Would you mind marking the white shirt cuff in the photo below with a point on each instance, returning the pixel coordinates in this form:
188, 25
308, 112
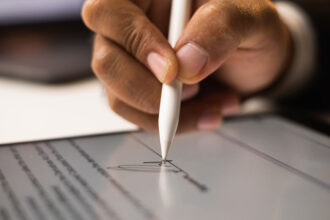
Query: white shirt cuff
303, 64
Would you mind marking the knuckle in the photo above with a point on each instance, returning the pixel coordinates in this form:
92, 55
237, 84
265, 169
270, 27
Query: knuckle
260, 14
99, 64
136, 35
90, 12
241, 19
246, 17
268, 15
211, 9
104, 57
115, 104
105, 64
96, 66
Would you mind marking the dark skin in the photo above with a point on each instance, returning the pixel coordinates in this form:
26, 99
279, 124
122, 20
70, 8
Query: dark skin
241, 46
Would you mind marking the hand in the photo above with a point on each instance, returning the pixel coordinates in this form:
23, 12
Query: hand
242, 43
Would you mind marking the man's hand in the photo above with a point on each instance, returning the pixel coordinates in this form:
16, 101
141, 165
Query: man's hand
242, 44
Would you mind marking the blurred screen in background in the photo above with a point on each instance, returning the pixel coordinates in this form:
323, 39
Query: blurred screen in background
44, 40
13, 12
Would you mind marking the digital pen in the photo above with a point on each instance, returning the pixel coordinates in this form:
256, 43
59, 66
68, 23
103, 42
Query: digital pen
170, 102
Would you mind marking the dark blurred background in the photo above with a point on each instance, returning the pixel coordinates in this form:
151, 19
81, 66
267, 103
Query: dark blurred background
44, 40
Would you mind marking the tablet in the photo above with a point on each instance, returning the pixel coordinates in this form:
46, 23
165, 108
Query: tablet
256, 167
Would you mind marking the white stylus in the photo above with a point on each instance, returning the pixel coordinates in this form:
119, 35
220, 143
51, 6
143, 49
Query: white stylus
170, 101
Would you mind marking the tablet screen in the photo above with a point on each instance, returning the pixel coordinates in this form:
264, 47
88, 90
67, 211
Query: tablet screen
260, 167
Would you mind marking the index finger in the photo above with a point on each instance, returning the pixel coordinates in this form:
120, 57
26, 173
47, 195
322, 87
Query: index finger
126, 24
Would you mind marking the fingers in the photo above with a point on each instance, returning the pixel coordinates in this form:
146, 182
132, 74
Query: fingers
126, 24
214, 32
199, 114
143, 120
189, 91
125, 77
206, 113
159, 14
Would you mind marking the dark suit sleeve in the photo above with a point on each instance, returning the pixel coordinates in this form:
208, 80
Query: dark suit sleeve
317, 93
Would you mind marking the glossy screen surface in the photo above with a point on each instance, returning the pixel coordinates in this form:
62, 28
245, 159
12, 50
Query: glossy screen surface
253, 168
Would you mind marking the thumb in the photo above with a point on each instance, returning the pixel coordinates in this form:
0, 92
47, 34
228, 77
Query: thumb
213, 33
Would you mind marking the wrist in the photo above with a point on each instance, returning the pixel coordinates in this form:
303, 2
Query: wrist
288, 57
298, 70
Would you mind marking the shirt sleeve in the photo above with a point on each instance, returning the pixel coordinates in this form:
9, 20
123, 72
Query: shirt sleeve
302, 68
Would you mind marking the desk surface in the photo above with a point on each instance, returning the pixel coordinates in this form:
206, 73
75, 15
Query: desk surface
31, 111
255, 168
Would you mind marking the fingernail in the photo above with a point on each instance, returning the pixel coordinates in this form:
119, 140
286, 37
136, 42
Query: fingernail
158, 65
210, 120
192, 59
